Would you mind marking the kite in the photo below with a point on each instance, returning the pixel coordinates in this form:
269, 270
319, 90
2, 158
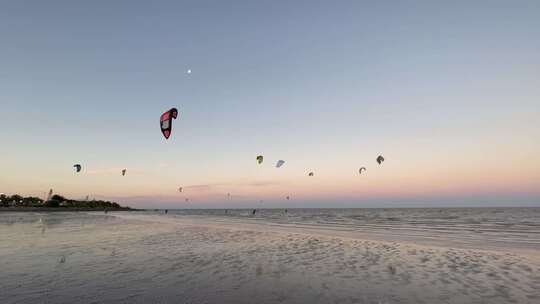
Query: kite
165, 122
360, 171
280, 163
380, 159
77, 167
310, 174
180, 189
260, 159
123, 172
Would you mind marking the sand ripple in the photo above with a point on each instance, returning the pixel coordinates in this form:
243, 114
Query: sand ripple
107, 259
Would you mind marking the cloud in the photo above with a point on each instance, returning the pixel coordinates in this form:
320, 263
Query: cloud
212, 186
204, 186
112, 171
263, 184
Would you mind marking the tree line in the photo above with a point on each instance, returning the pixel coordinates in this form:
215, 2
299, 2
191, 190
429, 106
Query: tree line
56, 201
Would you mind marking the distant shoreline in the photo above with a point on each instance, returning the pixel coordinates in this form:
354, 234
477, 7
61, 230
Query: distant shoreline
59, 209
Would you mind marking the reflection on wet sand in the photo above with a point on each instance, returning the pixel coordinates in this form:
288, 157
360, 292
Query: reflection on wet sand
172, 258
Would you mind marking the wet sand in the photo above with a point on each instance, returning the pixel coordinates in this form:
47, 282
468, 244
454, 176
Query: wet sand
155, 258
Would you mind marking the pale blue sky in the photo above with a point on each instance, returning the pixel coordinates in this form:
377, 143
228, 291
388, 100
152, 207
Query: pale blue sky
325, 85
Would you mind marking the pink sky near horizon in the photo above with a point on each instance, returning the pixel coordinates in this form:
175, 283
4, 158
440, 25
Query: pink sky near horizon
400, 177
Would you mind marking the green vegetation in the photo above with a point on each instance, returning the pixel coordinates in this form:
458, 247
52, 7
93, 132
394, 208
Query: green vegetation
56, 201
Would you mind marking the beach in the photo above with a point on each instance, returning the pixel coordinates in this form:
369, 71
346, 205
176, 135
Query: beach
220, 256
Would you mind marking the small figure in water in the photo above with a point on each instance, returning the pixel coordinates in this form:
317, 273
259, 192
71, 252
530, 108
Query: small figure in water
226, 211
254, 211
106, 211
286, 211
166, 211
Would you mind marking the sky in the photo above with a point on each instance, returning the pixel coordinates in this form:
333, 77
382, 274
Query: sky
447, 91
